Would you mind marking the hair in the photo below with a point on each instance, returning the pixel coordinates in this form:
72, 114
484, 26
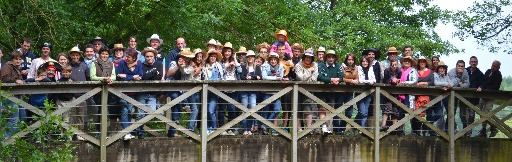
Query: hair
88, 45
365, 57
437, 69
62, 54
16, 54
261, 58
103, 49
299, 47
408, 46
460, 61
262, 45
280, 44
132, 53
133, 38
28, 40
67, 68
40, 71
232, 57
437, 57
353, 57
418, 64
473, 57
391, 69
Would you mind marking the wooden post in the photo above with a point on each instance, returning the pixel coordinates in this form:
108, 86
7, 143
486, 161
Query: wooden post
204, 121
376, 129
451, 126
294, 133
104, 124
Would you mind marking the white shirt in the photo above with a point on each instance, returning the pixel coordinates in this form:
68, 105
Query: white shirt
36, 63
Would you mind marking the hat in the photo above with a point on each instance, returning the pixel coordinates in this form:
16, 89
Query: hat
273, 54
309, 52
320, 49
118, 46
331, 52
375, 51
155, 36
218, 44
228, 45
51, 65
426, 60
197, 50
97, 38
250, 53
242, 50
441, 64
75, 49
392, 50
149, 49
219, 56
46, 44
185, 52
413, 63
282, 32
212, 42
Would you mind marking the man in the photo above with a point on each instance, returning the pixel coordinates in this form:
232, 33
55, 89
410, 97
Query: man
320, 54
288, 70
28, 56
89, 55
492, 81
373, 55
132, 44
330, 72
297, 51
36, 63
467, 115
392, 56
460, 78
98, 43
174, 73
408, 51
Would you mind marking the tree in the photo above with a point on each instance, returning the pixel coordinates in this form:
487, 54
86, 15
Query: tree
489, 22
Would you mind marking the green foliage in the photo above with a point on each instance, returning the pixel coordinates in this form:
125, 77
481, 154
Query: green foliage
346, 26
506, 84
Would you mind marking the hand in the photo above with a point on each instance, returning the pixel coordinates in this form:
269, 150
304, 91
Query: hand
354, 81
258, 77
248, 77
137, 77
479, 89
279, 78
19, 81
311, 69
24, 72
286, 79
121, 75
39, 78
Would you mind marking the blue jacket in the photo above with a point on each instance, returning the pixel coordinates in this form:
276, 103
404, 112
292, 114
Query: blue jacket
173, 56
122, 68
38, 99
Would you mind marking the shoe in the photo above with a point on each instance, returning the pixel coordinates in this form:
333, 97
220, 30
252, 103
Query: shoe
80, 138
340, 133
326, 130
247, 133
274, 132
494, 132
128, 137
264, 131
384, 128
224, 133
230, 133
208, 132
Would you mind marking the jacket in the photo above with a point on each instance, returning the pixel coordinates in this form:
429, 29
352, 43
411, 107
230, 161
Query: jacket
173, 56
10, 73
123, 69
459, 81
388, 77
492, 80
304, 74
429, 78
80, 71
349, 74
475, 78
441, 80
213, 72
95, 70
153, 71
327, 72
245, 73
371, 75
376, 71
272, 73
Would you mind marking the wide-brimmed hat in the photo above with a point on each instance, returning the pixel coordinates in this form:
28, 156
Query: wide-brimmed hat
330, 52
375, 51
197, 50
413, 63
185, 52
155, 36
273, 54
320, 49
75, 49
242, 49
149, 49
392, 50
228, 45
441, 64
97, 38
282, 32
219, 44
308, 52
429, 63
212, 42
250, 53
51, 65
219, 56
118, 46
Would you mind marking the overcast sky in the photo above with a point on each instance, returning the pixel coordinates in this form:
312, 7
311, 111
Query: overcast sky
485, 58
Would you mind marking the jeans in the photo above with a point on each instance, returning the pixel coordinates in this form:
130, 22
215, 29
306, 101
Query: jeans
434, 113
14, 119
149, 100
175, 111
249, 101
272, 114
466, 114
212, 103
126, 109
230, 108
194, 102
338, 124
362, 114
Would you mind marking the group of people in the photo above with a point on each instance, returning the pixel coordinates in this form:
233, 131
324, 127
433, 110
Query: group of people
278, 61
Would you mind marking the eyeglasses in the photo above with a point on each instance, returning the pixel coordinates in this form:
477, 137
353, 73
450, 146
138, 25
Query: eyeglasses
46, 44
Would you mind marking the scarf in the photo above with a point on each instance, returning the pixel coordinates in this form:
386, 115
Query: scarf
103, 65
365, 71
306, 65
403, 78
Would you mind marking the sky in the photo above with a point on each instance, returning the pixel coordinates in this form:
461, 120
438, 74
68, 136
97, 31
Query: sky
485, 58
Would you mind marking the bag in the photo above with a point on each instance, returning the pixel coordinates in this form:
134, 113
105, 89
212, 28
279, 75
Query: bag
420, 102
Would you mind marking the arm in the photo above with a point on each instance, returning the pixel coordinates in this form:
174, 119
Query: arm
93, 75
465, 80
6, 77
430, 78
265, 72
173, 68
257, 73
314, 75
32, 71
438, 81
187, 70
299, 73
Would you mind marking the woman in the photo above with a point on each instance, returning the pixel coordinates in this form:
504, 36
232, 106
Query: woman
250, 71
440, 79
307, 71
128, 70
213, 71
425, 78
194, 101
435, 63
63, 59
104, 71
263, 50
389, 109
11, 73
271, 70
118, 54
232, 70
350, 77
366, 76
409, 77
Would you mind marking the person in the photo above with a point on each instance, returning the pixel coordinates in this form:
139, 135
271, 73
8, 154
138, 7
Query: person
211, 44
219, 46
90, 57
435, 62
232, 70
297, 52
287, 75
132, 44
272, 70
392, 54
11, 73
350, 77
330, 72
263, 50
492, 81
460, 78
391, 76
118, 54
27, 58
409, 77
282, 37
213, 71
241, 55
408, 51
173, 73
425, 78
320, 52
197, 64
435, 113
45, 73
129, 69
476, 77
188, 73
2, 61
306, 70
373, 57
98, 43
250, 71
79, 72
36, 63
366, 76
152, 70
104, 71
62, 58
75, 115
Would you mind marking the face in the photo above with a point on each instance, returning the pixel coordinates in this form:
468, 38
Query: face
1, 54
155, 43
495, 66
119, 53
442, 70
308, 59
394, 65
273, 61
320, 55
66, 74
89, 53
350, 61
371, 56
211, 47
50, 73
259, 61
423, 64
435, 61
132, 43
227, 53
250, 59
17, 61
460, 67
212, 58
296, 53
406, 63
392, 56
280, 38
104, 56
364, 63
97, 45
263, 52
330, 59
43, 74
130, 59
45, 51
180, 43
473, 62
150, 57
281, 50
408, 52
199, 58
75, 57
186, 59
63, 60
25, 47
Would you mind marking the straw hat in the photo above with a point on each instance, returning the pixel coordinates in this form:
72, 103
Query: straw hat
375, 51
413, 63
149, 49
330, 52
185, 52
273, 54
441, 64
320, 49
392, 50
250, 53
429, 63
97, 38
219, 56
282, 32
118, 46
218, 44
155, 36
197, 50
242, 49
211, 42
228, 45
75, 49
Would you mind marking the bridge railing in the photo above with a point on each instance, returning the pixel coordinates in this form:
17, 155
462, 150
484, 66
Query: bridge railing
276, 90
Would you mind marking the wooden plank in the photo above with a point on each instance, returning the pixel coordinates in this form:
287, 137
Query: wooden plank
485, 117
